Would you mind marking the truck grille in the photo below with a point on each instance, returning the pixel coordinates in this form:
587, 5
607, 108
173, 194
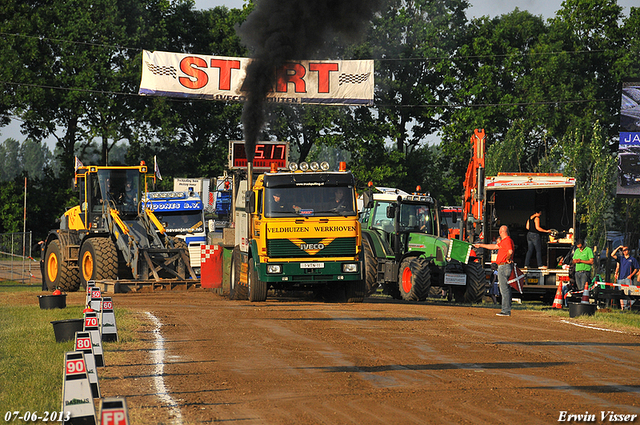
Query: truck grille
338, 247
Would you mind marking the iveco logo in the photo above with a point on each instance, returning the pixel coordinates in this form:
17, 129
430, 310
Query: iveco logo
311, 246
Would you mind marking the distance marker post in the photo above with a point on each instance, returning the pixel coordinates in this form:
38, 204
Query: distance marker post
113, 411
92, 325
90, 285
77, 398
108, 320
96, 299
84, 344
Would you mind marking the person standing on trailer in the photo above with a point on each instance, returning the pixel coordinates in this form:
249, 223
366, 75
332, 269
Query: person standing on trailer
534, 239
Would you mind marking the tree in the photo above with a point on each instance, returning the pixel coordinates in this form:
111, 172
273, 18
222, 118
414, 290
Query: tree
587, 157
488, 89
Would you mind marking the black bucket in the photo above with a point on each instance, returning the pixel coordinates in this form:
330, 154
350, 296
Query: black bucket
580, 309
65, 330
52, 301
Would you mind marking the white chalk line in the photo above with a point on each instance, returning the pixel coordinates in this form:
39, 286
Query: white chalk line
158, 380
590, 327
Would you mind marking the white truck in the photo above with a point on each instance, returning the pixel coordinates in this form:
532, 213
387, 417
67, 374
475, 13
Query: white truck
182, 215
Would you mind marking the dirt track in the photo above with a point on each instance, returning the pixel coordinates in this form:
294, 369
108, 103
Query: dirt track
380, 362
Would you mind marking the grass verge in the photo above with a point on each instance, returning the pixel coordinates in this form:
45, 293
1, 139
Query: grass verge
31, 361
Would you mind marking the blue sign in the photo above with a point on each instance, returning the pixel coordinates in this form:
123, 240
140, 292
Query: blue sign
174, 205
629, 139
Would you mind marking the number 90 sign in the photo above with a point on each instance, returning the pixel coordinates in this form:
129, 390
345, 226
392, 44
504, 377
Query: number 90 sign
75, 366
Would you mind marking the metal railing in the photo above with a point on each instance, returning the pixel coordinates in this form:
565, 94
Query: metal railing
16, 262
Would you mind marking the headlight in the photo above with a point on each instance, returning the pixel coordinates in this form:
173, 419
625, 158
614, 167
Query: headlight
314, 166
350, 268
304, 166
274, 268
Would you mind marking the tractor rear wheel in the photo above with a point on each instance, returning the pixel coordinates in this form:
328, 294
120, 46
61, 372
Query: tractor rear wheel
98, 260
412, 279
370, 268
57, 273
476, 283
236, 291
257, 288
423, 277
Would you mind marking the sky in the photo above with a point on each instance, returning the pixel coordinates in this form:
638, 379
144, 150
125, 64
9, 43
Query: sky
491, 8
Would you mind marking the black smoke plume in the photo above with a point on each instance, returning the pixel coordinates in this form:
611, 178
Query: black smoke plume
280, 30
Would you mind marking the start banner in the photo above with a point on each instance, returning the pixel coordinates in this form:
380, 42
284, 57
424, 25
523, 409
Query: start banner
221, 78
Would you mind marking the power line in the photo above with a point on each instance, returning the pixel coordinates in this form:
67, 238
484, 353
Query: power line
380, 105
415, 59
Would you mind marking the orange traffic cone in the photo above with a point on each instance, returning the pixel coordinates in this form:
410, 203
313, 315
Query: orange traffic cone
557, 301
585, 294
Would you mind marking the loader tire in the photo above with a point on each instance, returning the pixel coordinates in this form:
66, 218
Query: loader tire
476, 283
257, 289
98, 260
236, 291
58, 274
370, 268
411, 279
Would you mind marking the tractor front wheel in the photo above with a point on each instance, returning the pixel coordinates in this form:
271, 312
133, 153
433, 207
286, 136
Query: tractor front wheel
412, 279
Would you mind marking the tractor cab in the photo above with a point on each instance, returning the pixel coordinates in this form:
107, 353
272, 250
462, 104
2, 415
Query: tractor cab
396, 214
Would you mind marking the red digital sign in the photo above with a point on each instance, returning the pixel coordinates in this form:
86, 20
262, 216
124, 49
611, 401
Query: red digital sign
266, 153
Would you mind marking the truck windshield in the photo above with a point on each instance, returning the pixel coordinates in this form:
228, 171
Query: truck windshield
309, 201
181, 221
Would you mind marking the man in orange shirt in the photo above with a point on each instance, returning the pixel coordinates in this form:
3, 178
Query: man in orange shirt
505, 248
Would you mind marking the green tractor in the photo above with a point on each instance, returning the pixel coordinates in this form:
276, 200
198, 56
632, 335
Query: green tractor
405, 255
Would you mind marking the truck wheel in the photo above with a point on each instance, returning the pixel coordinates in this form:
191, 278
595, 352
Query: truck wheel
257, 288
410, 280
236, 291
370, 268
57, 273
476, 283
98, 260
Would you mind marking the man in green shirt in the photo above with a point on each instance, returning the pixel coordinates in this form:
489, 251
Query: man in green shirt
583, 259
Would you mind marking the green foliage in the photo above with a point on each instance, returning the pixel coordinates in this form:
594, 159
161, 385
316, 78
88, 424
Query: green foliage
536, 87
588, 158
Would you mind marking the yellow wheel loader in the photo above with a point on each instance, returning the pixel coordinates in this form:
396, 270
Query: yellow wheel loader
111, 236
